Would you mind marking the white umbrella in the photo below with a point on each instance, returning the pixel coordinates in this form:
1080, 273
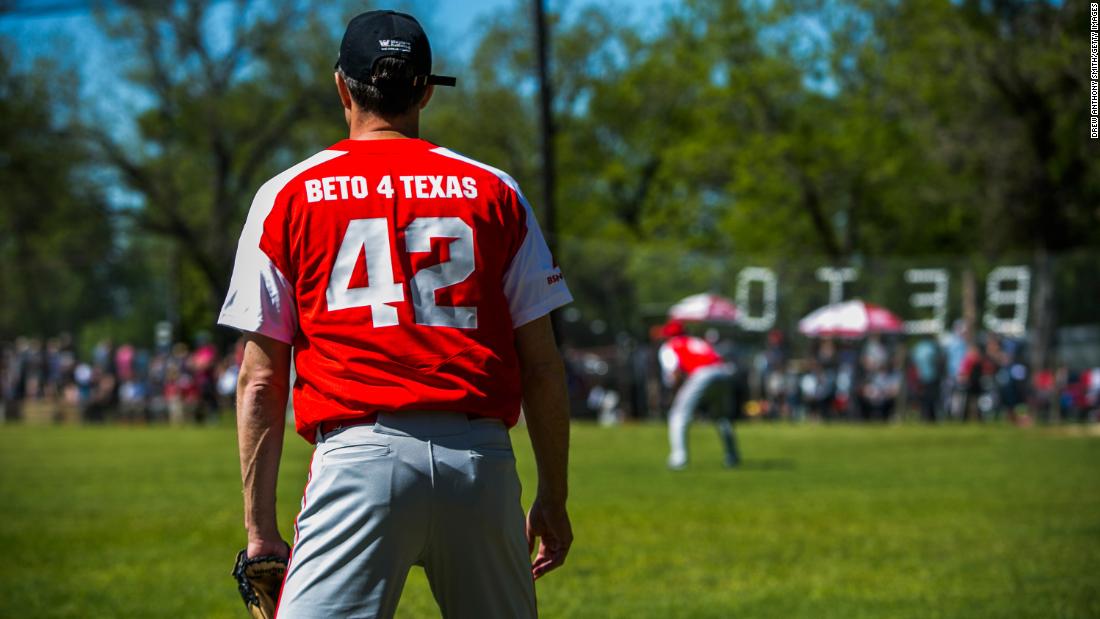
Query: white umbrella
705, 307
849, 319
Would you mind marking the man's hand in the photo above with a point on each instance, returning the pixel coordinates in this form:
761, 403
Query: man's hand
550, 523
273, 545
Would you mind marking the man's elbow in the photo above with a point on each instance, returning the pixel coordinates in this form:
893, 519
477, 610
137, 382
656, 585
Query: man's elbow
260, 391
265, 369
261, 384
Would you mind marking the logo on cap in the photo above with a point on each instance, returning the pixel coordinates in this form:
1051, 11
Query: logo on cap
395, 45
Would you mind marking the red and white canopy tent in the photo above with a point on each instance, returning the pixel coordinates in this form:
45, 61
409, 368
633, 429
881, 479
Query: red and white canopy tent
705, 307
850, 319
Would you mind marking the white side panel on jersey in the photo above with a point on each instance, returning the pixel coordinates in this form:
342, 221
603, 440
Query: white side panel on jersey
669, 363
260, 298
532, 284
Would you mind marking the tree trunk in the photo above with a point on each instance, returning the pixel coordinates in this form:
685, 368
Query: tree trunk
1042, 312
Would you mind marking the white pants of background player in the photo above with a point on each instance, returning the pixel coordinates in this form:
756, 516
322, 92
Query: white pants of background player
712, 379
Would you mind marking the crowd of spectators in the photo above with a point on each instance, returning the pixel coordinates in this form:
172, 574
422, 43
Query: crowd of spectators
955, 377
49, 380
981, 378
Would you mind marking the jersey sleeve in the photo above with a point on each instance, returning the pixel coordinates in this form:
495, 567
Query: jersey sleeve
533, 282
261, 298
669, 362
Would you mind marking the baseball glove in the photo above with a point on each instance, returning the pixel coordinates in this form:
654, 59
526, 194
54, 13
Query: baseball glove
259, 579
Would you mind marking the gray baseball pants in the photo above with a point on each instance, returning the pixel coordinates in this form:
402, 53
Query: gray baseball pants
711, 380
431, 489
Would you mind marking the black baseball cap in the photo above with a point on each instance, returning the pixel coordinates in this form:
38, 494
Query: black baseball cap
374, 35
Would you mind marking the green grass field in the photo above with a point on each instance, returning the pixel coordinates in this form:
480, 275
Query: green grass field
838, 521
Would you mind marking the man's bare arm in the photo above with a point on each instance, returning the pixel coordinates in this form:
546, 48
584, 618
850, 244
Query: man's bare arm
262, 389
546, 409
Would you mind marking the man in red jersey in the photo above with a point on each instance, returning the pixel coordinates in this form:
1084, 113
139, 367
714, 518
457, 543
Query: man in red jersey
698, 373
413, 286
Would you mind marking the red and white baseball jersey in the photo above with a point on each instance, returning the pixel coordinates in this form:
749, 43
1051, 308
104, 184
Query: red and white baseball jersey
398, 270
686, 354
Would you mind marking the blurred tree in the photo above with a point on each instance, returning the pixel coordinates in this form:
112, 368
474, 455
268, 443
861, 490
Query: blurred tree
233, 93
491, 115
995, 93
57, 251
843, 129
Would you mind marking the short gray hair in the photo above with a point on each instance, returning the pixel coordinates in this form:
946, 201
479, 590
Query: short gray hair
390, 91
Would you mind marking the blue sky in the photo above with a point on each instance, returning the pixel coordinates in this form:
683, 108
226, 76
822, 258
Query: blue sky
45, 27
67, 31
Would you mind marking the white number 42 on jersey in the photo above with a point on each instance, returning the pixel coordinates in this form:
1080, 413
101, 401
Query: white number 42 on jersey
371, 237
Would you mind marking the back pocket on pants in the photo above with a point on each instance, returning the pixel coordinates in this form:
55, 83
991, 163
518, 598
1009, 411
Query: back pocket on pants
350, 454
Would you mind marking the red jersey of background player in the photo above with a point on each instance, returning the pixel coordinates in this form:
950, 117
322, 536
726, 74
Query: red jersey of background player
691, 353
398, 270
684, 353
